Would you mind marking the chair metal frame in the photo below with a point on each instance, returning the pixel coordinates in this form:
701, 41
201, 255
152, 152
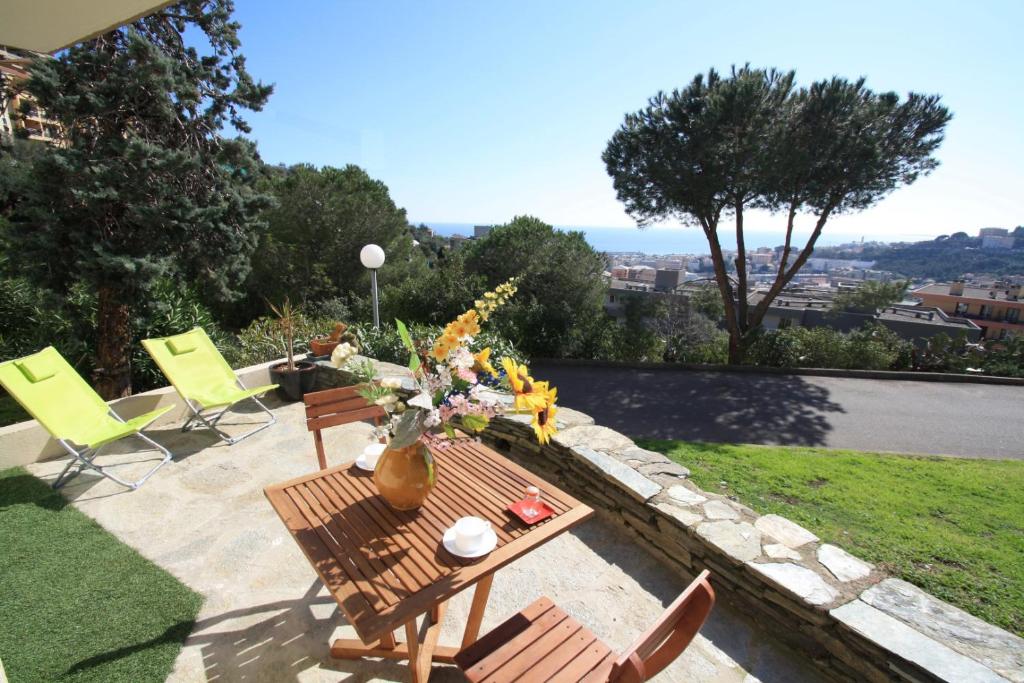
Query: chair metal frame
85, 457
211, 420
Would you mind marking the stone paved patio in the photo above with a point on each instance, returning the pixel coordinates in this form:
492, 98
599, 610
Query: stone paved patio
266, 617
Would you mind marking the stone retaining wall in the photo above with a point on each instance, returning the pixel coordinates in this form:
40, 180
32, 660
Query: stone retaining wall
852, 620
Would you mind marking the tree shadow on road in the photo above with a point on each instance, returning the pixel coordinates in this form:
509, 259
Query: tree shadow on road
697, 406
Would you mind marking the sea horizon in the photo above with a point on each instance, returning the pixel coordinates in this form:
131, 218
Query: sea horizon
660, 240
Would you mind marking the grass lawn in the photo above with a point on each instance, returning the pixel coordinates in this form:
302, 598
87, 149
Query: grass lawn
10, 411
76, 604
954, 527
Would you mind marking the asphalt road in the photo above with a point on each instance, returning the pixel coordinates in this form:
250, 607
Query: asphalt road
966, 420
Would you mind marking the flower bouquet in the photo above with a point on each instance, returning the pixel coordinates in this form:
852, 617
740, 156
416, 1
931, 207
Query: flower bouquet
452, 385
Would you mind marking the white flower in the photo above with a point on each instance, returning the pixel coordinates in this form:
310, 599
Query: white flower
391, 382
432, 418
342, 354
462, 358
387, 400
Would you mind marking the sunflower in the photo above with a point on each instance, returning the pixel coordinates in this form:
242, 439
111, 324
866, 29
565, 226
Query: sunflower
530, 395
544, 419
482, 363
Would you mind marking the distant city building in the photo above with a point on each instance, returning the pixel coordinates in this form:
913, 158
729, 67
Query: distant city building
482, 230
761, 258
666, 280
813, 308
22, 113
996, 238
998, 309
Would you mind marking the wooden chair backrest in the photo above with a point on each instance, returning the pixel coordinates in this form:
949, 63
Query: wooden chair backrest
333, 407
670, 635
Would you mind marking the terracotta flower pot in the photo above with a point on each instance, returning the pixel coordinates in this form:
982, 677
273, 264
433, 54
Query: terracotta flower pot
322, 346
405, 476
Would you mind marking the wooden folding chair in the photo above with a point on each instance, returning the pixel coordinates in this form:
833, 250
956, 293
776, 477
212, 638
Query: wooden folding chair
543, 643
333, 407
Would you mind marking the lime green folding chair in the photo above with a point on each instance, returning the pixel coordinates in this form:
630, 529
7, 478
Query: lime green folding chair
204, 379
54, 394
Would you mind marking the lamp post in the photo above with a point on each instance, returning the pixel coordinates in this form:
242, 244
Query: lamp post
372, 257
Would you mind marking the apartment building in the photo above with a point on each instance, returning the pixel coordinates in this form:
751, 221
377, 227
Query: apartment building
19, 111
997, 309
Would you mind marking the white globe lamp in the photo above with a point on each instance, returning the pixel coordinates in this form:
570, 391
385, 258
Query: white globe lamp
372, 258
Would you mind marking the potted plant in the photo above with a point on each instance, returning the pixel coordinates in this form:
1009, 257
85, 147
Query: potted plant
294, 378
324, 346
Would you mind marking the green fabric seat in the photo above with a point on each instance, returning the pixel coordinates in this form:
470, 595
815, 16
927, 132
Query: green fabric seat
201, 376
67, 407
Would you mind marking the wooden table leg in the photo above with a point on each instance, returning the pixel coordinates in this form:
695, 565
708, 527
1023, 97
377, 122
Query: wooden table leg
419, 648
476, 610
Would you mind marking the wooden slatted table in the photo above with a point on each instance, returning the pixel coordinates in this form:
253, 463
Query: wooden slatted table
385, 568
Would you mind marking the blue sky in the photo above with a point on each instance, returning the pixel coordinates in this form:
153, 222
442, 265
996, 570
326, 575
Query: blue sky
477, 111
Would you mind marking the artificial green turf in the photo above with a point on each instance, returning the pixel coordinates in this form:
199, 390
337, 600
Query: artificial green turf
954, 527
11, 412
76, 604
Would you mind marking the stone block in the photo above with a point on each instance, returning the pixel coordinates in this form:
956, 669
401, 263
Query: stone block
777, 551
798, 581
594, 437
990, 645
683, 495
929, 655
618, 473
784, 531
687, 518
842, 564
737, 540
719, 509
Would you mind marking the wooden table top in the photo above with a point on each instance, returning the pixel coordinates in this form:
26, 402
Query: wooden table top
386, 567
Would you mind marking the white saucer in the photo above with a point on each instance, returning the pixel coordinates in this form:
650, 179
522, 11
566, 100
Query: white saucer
361, 462
489, 543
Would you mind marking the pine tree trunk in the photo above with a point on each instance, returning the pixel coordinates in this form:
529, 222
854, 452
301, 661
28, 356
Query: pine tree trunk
735, 350
113, 377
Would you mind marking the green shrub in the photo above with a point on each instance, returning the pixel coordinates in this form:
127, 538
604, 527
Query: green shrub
262, 341
871, 347
34, 318
170, 310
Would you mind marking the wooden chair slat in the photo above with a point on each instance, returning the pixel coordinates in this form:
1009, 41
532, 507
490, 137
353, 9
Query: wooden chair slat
508, 651
340, 406
542, 643
315, 398
336, 419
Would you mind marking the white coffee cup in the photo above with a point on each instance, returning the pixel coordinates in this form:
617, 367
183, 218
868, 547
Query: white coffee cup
470, 532
372, 453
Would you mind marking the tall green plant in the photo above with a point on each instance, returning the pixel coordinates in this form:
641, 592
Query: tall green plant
147, 185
